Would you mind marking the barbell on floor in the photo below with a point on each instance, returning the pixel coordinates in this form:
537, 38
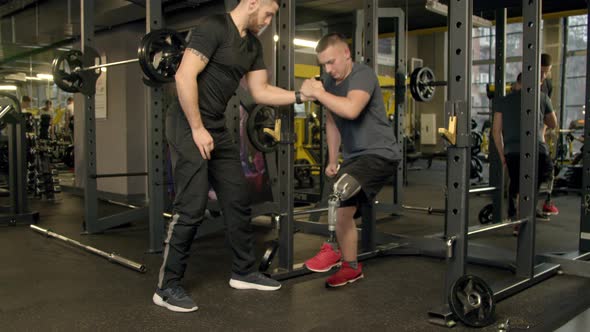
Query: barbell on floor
112, 257
159, 55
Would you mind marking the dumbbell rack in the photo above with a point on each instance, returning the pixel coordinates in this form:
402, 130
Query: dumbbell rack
42, 176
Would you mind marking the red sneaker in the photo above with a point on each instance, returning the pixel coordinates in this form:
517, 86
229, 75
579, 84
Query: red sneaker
345, 275
550, 209
326, 259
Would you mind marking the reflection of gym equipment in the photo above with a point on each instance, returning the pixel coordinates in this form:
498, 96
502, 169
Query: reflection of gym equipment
307, 150
264, 127
18, 211
476, 302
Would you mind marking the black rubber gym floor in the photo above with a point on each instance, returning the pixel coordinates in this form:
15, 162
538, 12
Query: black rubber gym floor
48, 285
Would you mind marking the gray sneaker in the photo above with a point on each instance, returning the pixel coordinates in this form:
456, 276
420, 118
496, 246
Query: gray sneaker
174, 299
254, 280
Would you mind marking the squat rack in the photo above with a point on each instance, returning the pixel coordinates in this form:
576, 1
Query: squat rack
154, 211
285, 154
529, 268
576, 262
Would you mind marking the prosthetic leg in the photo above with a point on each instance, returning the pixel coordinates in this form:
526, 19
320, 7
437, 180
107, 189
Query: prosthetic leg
344, 188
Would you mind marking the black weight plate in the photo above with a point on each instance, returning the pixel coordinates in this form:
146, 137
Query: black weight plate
420, 87
68, 73
261, 117
160, 53
88, 84
478, 164
476, 141
476, 168
63, 73
486, 215
472, 301
268, 256
413, 84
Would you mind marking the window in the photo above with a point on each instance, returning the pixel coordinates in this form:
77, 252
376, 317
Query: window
575, 69
484, 48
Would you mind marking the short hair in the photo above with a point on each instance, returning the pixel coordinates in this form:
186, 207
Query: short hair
519, 78
545, 60
330, 39
70, 99
26, 99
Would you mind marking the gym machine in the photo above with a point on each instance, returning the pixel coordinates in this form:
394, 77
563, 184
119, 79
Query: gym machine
18, 211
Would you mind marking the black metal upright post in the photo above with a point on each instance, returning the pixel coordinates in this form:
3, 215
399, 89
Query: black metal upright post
359, 24
371, 42
155, 139
17, 147
584, 244
372, 14
496, 167
89, 132
399, 113
563, 93
529, 122
458, 156
286, 152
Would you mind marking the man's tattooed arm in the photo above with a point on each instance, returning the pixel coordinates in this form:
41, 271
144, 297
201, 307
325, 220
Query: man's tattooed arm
199, 54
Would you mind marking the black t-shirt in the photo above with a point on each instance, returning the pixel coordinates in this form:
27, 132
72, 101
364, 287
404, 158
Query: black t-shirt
230, 58
510, 107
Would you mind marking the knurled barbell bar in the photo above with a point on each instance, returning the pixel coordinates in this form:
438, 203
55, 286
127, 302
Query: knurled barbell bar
159, 55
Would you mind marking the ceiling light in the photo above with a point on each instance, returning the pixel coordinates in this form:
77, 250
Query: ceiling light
45, 77
305, 43
442, 9
8, 87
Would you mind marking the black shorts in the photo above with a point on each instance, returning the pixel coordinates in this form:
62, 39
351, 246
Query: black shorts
372, 172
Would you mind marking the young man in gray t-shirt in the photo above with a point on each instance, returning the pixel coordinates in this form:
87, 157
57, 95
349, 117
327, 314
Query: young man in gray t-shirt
357, 121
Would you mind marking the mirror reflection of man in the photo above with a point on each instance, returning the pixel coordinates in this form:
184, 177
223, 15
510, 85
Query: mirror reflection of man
549, 207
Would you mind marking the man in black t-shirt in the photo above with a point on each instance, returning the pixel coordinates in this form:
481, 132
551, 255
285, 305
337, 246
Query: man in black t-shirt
507, 131
549, 207
221, 50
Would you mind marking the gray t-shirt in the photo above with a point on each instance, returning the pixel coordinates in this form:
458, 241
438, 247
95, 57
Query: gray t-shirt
510, 108
370, 132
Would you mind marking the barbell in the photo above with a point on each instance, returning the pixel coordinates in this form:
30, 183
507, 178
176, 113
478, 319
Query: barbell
159, 55
423, 84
